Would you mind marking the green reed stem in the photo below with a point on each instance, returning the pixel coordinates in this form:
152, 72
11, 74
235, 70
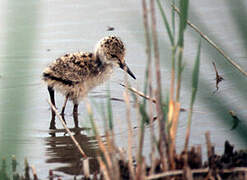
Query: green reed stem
109, 109
167, 26
195, 77
184, 5
173, 20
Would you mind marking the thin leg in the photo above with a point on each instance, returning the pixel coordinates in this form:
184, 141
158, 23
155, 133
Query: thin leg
64, 105
53, 114
75, 115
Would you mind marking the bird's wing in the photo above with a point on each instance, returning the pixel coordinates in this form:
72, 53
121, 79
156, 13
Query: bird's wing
71, 68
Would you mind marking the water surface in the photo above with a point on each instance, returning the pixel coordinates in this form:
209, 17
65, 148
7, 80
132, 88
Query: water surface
36, 33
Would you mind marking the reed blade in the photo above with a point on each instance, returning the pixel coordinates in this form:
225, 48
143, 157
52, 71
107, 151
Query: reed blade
167, 26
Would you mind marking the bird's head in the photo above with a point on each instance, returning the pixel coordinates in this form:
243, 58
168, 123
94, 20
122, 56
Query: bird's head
111, 50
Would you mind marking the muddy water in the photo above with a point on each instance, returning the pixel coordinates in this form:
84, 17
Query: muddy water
38, 32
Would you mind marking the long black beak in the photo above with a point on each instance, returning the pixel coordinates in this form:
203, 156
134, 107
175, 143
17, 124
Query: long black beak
126, 68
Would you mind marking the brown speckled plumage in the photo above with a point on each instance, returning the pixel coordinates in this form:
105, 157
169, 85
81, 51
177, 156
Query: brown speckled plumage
74, 75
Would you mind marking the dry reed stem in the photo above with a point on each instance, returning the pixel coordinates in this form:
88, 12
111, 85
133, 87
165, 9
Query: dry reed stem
141, 170
187, 136
149, 83
209, 145
160, 115
230, 60
101, 144
68, 131
86, 169
172, 87
139, 93
35, 177
170, 113
218, 177
163, 143
157, 69
141, 131
174, 132
140, 134
179, 78
122, 154
199, 152
170, 117
112, 152
195, 171
130, 134
152, 135
103, 168
144, 167
110, 144
187, 174
156, 48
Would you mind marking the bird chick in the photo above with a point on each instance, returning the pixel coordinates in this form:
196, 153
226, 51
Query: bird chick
74, 75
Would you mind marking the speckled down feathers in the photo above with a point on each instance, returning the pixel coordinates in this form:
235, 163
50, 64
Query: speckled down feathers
110, 47
75, 74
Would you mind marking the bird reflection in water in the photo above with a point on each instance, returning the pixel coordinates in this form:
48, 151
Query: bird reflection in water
61, 149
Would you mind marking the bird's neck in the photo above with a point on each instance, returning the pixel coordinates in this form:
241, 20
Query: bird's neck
103, 62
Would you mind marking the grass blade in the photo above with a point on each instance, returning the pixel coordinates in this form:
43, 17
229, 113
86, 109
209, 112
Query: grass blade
173, 20
109, 109
184, 6
162, 12
148, 47
195, 77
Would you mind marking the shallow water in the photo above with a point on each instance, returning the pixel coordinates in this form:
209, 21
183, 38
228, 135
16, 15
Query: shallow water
38, 32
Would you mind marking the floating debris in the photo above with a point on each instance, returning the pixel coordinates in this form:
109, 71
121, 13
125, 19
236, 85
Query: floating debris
110, 28
236, 120
218, 77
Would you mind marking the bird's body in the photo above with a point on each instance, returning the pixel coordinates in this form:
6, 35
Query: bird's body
74, 75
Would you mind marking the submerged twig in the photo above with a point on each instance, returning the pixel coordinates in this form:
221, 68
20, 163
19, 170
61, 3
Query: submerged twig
68, 131
139, 93
230, 60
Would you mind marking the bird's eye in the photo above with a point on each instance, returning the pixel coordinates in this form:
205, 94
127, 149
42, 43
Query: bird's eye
114, 56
